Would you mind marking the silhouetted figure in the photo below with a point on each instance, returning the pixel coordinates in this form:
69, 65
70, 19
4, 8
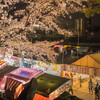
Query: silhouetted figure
29, 91
80, 79
97, 92
90, 86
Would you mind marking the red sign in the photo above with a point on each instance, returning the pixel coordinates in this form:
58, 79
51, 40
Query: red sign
80, 69
14, 58
1, 62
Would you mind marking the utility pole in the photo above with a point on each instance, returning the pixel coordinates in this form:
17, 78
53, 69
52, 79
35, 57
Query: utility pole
79, 28
77, 21
81, 25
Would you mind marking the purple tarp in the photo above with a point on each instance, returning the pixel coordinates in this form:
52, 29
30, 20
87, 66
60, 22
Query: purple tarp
21, 74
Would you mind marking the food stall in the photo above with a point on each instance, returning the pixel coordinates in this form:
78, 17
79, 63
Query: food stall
58, 48
51, 86
22, 75
13, 88
3, 72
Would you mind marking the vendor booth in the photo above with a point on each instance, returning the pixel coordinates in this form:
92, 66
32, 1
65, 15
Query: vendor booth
85, 67
3, 72
22, 75
58, 48
13, 88
50, 86
91, 60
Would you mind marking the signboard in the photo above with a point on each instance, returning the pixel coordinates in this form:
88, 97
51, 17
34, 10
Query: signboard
60, 90
97, 72
1, 57
54, 67
50, 68
12, 60
35, 62
80, 69
2, 64
9, 60
77, 69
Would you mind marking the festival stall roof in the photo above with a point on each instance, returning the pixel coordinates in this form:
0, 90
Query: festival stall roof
51, 86
22, 75
59, 46
91, 60
4, 71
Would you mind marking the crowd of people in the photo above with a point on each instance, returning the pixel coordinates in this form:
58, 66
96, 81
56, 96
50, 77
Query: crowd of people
96, 89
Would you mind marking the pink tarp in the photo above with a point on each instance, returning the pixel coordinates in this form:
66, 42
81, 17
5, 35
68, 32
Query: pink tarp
59, 46
21, 74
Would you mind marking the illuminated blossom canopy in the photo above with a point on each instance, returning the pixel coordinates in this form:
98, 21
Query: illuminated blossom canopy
20, 17
19, 20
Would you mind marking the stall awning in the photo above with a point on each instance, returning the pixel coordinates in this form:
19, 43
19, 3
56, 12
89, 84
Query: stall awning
59, 46
13, 88
51, 86
91, 60
22, 75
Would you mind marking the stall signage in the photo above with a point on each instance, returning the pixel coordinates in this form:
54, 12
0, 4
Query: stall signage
78, 69
1, 57
46, 70
9, 60
1, 62
97, 72
54, 67
14, 58
60, 90
47, 67
40, 68
35, 62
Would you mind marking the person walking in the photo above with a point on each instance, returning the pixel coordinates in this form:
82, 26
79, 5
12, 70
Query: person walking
80, 81
90, 86
97, 92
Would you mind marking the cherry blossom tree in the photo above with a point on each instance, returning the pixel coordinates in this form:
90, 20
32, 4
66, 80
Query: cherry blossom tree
18, 18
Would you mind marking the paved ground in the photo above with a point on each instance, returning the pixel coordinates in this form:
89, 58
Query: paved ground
83, 92
83, 95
